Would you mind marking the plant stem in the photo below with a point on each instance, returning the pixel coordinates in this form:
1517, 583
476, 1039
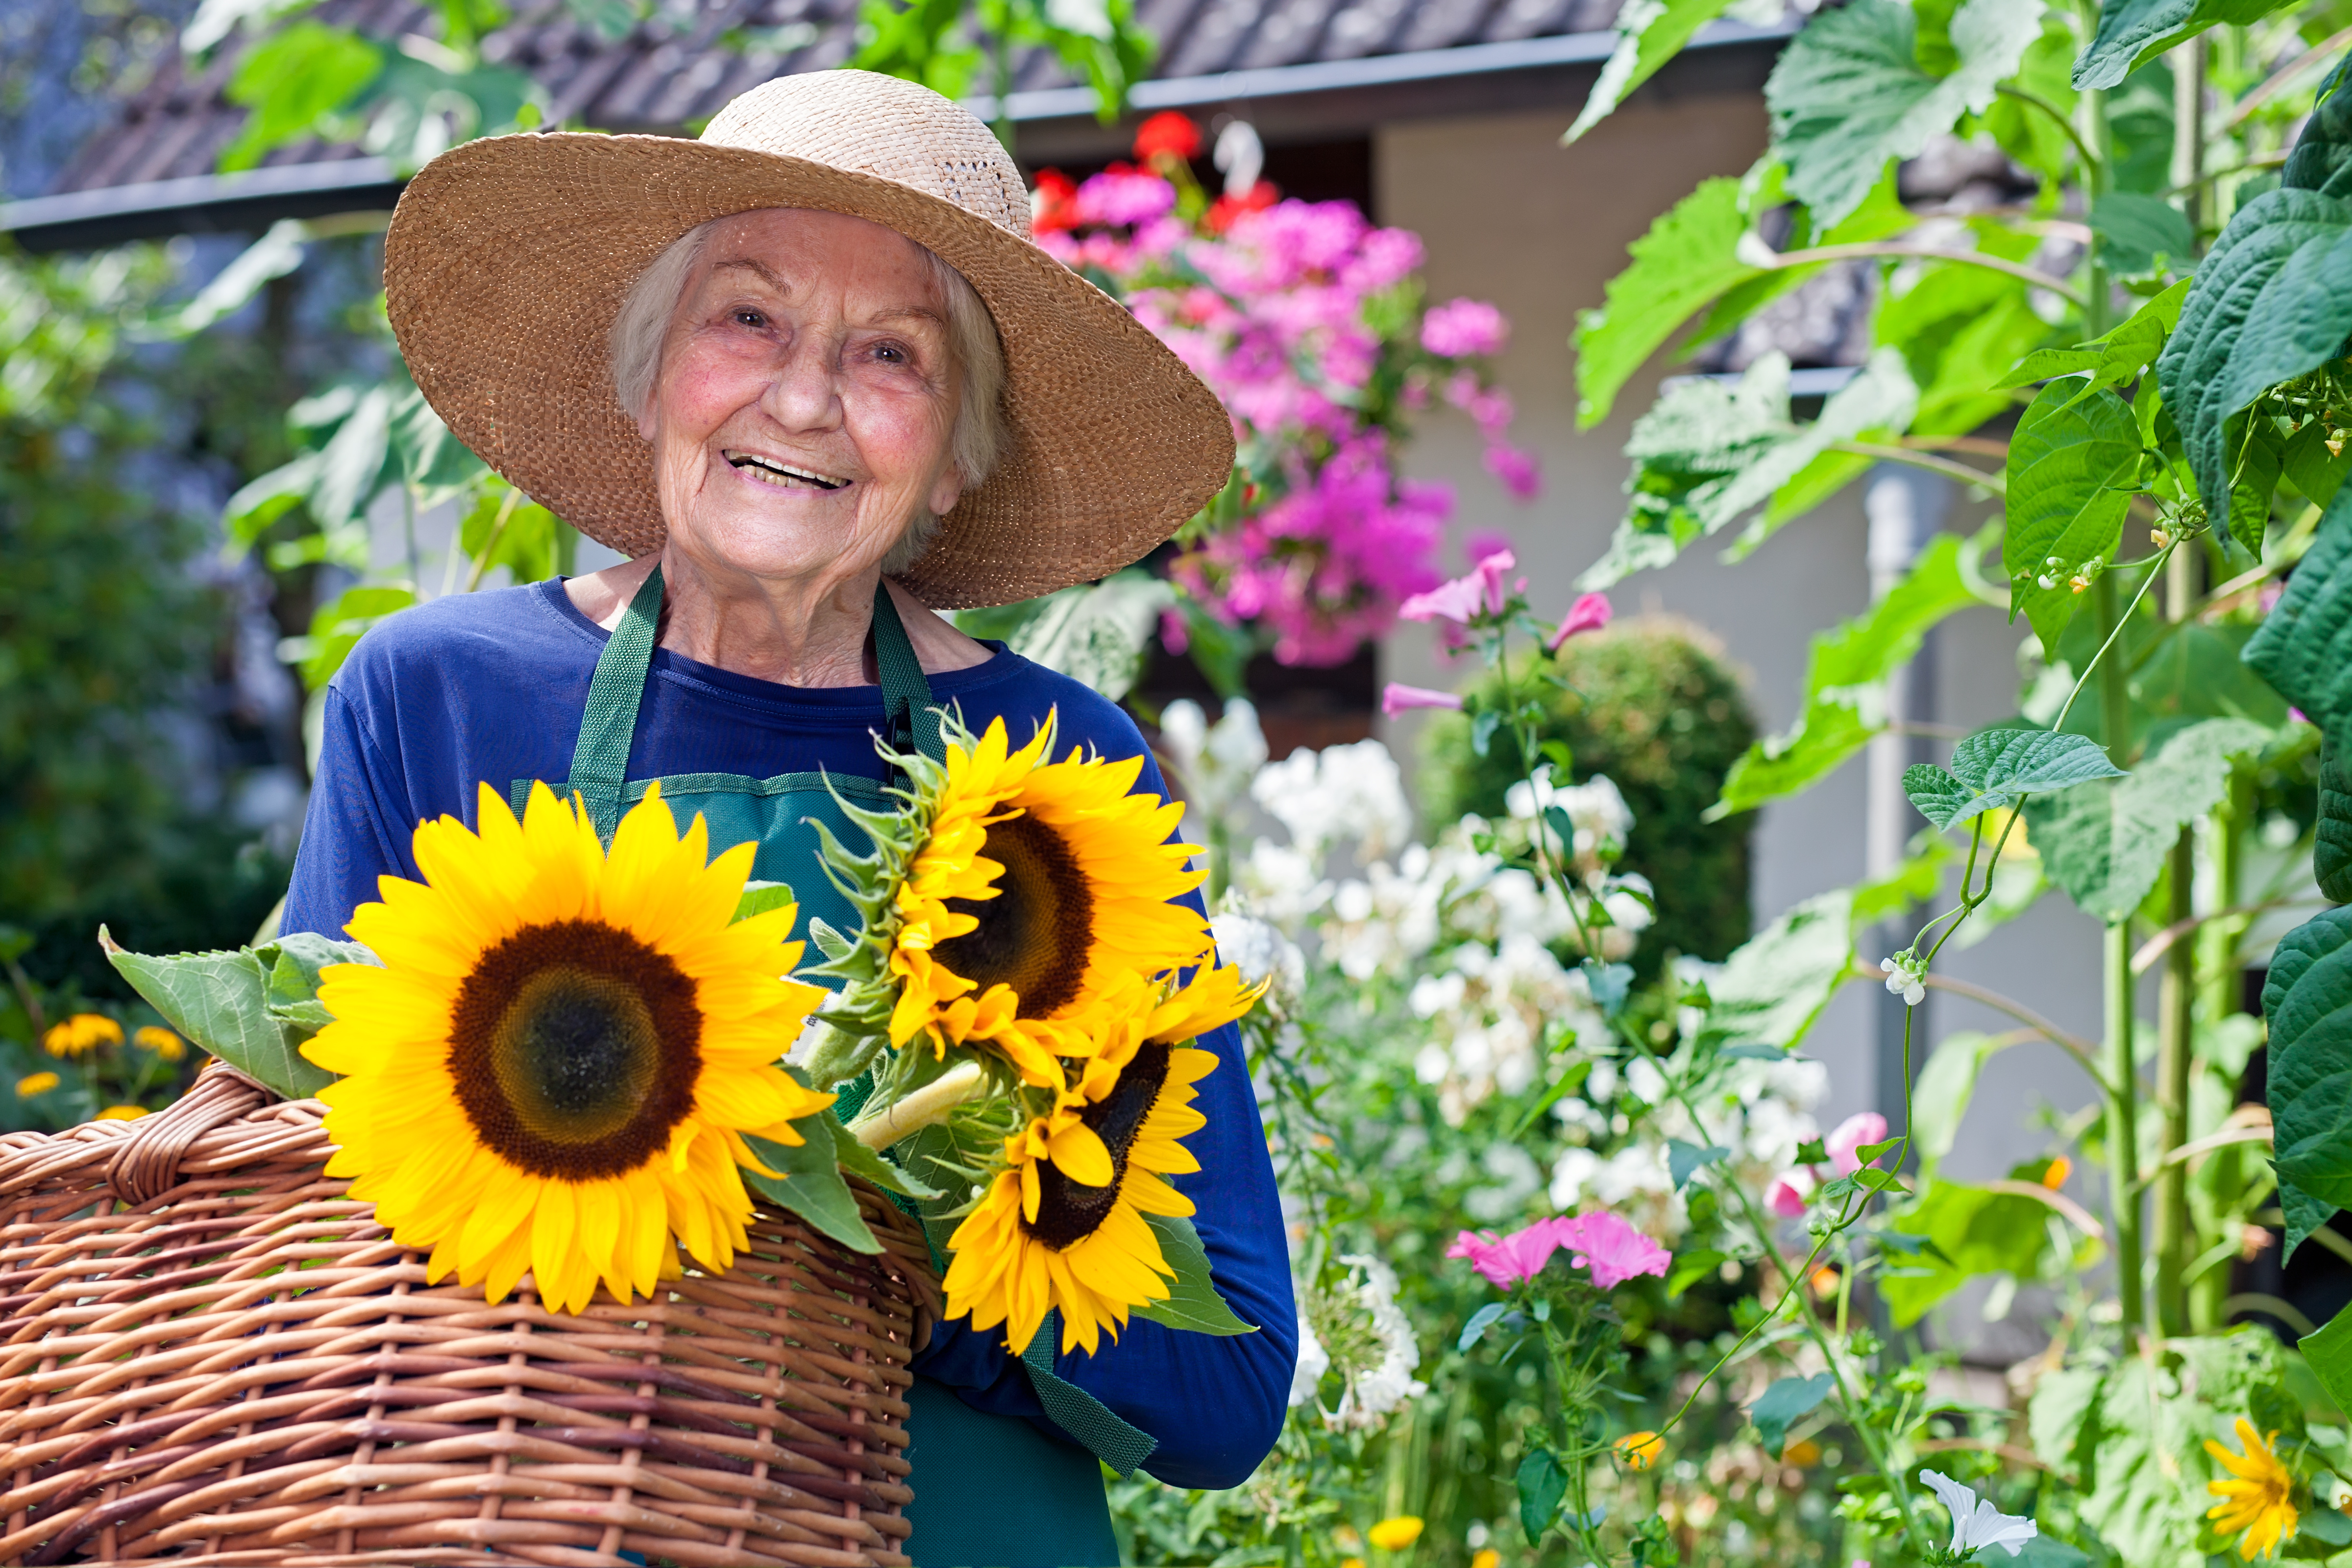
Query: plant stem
1983, 479
2098, 150
2035, 101
2174, 1044
1898, 251
2122, 1074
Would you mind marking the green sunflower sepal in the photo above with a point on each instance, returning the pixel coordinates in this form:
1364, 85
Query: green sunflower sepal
253, 1007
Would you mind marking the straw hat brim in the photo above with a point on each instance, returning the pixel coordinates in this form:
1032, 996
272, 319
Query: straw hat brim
508, 258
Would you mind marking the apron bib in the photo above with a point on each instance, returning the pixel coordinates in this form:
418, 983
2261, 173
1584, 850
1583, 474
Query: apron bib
990, 1491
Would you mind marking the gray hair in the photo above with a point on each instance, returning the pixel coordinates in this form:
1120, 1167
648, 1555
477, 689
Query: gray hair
981, 433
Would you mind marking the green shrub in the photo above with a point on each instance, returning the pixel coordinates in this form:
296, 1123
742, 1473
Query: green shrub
1651, 703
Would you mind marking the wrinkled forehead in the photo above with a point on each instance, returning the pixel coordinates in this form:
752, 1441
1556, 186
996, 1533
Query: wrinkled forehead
802, 251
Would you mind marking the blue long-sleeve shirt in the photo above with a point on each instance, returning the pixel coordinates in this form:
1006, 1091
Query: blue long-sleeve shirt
492, 686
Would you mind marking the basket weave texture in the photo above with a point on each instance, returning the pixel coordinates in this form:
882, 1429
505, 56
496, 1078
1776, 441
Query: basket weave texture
209, 1352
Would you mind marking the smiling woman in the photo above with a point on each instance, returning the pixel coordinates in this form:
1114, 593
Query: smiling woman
810, 374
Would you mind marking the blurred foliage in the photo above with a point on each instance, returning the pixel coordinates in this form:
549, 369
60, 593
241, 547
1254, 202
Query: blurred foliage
1653, 704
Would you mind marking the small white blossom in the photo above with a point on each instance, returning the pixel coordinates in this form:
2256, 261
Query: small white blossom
1975, 1523
1259, 950
1338, 794
1376, 1390
1906, 977
1215, 760
1313, 1362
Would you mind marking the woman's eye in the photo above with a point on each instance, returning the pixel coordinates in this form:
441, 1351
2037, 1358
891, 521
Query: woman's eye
891, 353
751, 319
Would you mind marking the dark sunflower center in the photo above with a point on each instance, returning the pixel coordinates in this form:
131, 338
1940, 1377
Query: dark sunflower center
1067, 1211
1033, 935
575, 1048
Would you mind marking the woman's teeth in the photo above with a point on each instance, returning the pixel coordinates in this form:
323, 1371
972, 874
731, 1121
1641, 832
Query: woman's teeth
769, 471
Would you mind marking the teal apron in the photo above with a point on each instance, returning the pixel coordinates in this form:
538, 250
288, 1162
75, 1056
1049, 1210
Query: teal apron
990, 1491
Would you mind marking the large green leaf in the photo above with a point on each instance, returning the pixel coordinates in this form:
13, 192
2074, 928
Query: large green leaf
2331, 851
1946, 1086
1997, 767
1682, 262
1649, 34
223, 1001
290, 80
2329, 1353
810, 1183
1844, 680
1976, 1231
2134, 32
1193, 1301
1776, 983
2270, 300
2105, 843
2135, 232
1096, 634
1848, 95
2113, 358
2304, 646
2307, 1002
1788, 1400
1707, 454
2071, 465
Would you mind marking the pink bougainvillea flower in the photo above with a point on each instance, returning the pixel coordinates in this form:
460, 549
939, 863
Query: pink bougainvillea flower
1481, 588
1400, 696
1787, 1196
1504, 1261
1864, 1127
1589, 613
1516, 469
1460, 328
1612, 1247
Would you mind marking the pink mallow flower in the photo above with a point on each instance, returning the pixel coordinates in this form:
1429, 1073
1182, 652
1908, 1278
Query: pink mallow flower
1589, 613
1460, 328
1610, 1247
1865, 1127
1461, 600
1400, 696
1788, 1193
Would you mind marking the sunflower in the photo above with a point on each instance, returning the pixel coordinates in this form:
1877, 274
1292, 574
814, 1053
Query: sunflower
2257, 1501
1062, 1224
554, 1069
1040, 886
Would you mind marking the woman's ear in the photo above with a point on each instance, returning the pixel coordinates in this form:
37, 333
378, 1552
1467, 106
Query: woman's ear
646, 426
945, 490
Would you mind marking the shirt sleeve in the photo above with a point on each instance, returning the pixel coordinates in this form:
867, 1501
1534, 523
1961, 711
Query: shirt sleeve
357, 828
1214, 1403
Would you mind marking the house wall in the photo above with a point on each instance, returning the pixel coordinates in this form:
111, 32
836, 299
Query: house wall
1510, 215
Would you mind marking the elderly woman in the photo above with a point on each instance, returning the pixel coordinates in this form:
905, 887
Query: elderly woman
811, 376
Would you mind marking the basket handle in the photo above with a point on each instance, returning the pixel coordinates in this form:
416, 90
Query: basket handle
148, 1163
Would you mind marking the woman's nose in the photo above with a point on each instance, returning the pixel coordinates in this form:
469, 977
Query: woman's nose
802, 391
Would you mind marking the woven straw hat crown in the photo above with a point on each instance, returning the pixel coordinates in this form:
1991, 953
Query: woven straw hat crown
508, 258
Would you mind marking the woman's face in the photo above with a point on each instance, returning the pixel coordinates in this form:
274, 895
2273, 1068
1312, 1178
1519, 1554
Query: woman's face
803, 410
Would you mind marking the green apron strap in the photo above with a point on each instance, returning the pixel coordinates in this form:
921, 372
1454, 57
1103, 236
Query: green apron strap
601, 759
1116, 1443
907, 710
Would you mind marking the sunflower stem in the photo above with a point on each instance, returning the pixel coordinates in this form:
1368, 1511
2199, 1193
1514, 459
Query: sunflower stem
926, 1106
837, 1056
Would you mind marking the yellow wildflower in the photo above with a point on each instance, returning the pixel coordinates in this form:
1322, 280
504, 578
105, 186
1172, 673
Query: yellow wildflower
2256, 1501
82, 1033
121, 1114
161, 1041
36, 1083
1396, 1534
1490, 1558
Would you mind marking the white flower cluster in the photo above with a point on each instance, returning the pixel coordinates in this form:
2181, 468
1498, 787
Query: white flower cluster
1613, 910
1216, 762
1370, 1346
1906, 975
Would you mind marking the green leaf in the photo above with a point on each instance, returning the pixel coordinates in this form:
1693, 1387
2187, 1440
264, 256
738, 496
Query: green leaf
2310, 467
2071, 465
221, 1001
1684, 1160
1788, 1400
1972, 1231
290, 81
1959, 327
2115, 358
759, 898
1776, 983
1946, 1084
1995, 768
2307, 1003
2134, 32
2329, 1353
2304, 647
2105, 843
2138, 233
1682, 262
1848, 95
1542, 1483
856, 1160
1846, 676
809, 1182
1707, 454
1097, 635
278, 252
1480, 1322
2270, 300
337, 627
352, 466
1192, 1302
1690, 1268
1649, 34
293, 962
2256, 452
506, 527
2331, 852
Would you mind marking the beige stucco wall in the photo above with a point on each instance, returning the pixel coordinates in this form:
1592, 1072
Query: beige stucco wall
1510, 215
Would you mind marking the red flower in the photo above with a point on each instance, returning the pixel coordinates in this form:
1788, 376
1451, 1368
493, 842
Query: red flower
1224, 209
1051, 203
1169, 133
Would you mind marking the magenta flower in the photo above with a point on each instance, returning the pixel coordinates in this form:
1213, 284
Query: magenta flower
1123, 197
1460, 328
1866, 1127
1400, 696
1508, 1260
1589, 613
1516, 469
1612, 1247
1462, 599
1787, 1196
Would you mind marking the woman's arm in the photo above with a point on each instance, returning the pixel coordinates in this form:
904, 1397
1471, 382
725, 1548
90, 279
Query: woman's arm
357, 828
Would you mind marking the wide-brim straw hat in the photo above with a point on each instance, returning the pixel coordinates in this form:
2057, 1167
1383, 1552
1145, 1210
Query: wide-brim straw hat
508, 258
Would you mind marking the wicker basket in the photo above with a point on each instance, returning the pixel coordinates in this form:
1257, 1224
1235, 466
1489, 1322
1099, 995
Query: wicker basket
210, 1354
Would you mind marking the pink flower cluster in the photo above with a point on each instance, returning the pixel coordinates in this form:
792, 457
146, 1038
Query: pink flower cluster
1462, 600
1271, 303
1790, 1193
1608, 1246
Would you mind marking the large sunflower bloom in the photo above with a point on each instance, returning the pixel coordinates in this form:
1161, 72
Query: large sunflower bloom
554, 1069
1041, 886
2257, 1501
1062, 1224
